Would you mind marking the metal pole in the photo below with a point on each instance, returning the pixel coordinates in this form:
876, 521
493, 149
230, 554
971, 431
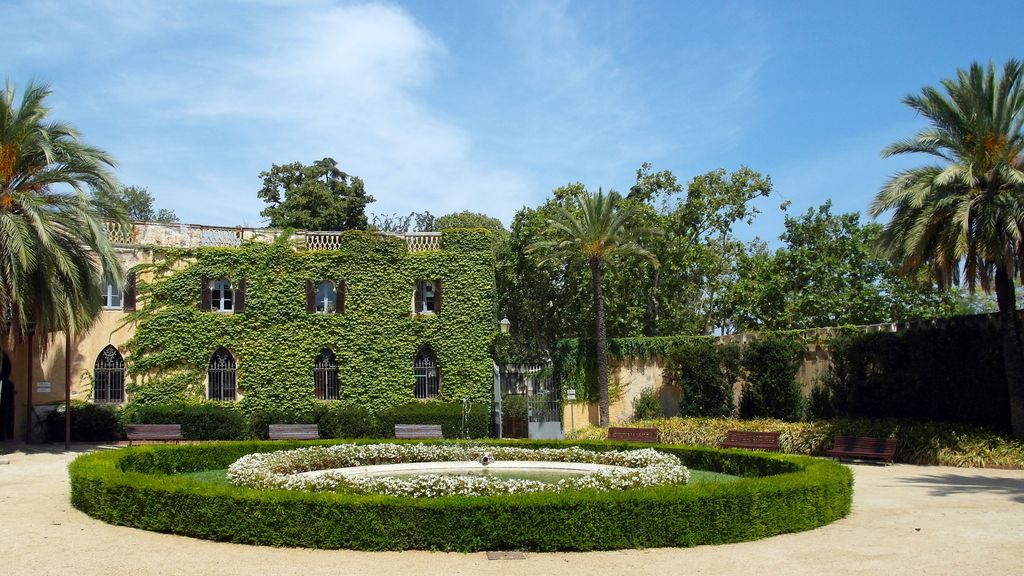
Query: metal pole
67, 390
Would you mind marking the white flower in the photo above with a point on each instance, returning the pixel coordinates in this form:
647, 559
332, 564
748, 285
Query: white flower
279, 470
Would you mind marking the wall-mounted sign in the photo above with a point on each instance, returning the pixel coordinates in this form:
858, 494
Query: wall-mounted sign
43, 387
571, 394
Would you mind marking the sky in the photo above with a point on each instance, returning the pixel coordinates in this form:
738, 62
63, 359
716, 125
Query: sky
487, 106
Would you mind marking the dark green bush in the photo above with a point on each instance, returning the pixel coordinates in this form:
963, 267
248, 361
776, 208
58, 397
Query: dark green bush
89, 423
771, 389
696, 367
647, 405
950, 372
447, 414
782, 494
343, 420
259, 421
200, 421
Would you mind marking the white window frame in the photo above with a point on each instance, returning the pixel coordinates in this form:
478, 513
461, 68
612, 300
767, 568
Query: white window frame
112, 293
326, 301
217, 297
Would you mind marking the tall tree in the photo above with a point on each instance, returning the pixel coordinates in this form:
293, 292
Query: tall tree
316, 197
54, 249
827, 273
964, 216
601, 233
136, 202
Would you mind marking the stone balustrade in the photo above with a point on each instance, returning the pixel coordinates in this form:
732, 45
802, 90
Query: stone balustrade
196, 235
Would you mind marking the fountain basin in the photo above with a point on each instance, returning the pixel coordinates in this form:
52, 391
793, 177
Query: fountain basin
543, 471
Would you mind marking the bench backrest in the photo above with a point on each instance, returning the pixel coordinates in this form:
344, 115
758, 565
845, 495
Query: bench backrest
153, 431
633, 434
294, 432
864, 444
747, 439
418, 431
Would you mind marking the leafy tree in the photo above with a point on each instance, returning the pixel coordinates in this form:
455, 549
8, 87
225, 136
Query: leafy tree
399, 224
316, 197
772, 391
964, 216
600, 234
54, 249
829, 274
467, 219
136, 202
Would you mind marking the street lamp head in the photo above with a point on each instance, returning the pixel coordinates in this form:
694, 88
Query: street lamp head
505, 325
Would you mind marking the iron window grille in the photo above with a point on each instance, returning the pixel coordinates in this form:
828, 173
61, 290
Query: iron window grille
427, 375
108, 376
222, 376
325, 375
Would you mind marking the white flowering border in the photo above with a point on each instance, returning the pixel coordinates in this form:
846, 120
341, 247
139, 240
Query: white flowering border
280, 470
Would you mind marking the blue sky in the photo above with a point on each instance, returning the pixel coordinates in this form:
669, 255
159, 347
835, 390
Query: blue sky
487, 106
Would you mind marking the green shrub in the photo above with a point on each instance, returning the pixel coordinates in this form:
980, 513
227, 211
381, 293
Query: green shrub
696, 367
89, 423
781, 494
200, 421
917, 442
771, 389
647, 405
344, 420
513, 406
259, 421
447, 414
950, 372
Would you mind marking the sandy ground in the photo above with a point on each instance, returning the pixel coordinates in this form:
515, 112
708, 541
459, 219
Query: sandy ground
905, 520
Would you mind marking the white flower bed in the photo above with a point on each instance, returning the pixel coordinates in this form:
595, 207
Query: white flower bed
279, 470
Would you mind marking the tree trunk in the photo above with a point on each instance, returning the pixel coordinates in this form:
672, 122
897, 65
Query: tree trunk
602, 342
1013, 353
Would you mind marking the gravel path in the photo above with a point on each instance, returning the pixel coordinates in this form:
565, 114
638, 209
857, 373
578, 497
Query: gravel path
905, 520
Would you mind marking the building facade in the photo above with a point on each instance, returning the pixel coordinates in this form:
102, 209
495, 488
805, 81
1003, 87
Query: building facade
272, 323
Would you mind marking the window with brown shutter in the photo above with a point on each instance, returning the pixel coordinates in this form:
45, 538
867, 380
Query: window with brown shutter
240, 296
205, 296
340, 296
310, 297
129, 292
437, 296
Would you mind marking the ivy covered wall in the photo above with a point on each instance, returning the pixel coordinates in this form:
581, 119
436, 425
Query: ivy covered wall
275, 340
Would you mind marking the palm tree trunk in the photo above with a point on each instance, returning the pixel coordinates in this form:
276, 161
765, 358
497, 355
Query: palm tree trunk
602, 342
1013, 353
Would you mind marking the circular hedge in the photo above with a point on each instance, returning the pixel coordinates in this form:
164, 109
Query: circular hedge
780, 493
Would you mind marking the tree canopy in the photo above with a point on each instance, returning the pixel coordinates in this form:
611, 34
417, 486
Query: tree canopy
315, 197
136, 202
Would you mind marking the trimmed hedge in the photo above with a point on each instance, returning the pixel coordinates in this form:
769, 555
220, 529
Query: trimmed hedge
448, 415
782, 494
89, 423
917, 442
199, 421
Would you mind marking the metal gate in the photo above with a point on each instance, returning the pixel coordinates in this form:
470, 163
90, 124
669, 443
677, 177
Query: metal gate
530, 397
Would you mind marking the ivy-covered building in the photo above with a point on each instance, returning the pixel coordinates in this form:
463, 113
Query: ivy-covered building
276, 323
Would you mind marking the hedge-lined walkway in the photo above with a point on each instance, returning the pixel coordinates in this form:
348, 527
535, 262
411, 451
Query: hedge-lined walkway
905, 520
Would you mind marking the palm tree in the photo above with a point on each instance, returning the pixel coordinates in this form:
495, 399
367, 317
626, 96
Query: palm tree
54, 250
964, 217
597, 233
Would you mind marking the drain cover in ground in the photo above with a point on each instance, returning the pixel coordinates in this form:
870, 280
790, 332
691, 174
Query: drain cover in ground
506, 556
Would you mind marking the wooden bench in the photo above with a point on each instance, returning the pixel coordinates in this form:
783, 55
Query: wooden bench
751, 440
294, 432
418, 431
154, 432
633, 434
857, 447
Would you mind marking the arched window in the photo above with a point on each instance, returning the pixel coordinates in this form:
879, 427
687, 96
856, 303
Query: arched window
222, 375
325, 375
326, 298
223, 295
427, 374
108, 376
